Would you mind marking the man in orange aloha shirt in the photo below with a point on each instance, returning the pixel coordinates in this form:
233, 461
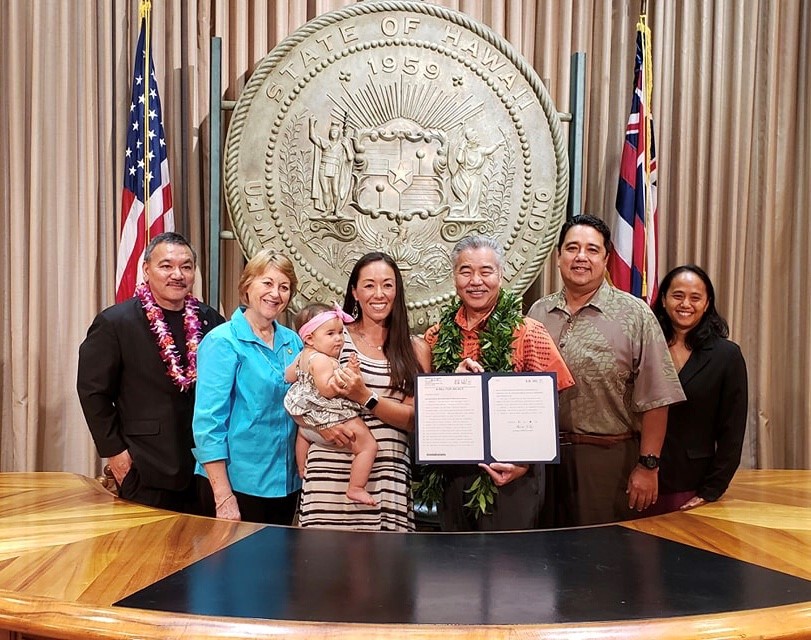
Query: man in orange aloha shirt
491, 315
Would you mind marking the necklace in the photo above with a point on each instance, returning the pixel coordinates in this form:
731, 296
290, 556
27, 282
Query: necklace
495, 345
261, 335
495, 338
258, 331
367, 343
183, 377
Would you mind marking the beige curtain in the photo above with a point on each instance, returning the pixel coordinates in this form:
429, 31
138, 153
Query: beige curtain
731, 89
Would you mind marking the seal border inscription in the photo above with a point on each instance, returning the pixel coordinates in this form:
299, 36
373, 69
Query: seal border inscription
268, 64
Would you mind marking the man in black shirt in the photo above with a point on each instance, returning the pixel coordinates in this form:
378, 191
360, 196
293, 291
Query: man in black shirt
137, 369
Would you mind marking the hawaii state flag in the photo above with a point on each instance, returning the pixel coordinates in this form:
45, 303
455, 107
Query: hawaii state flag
632, 265
146, 201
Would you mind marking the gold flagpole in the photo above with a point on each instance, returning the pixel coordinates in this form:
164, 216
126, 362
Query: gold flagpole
647, 79
144, 11
648, 71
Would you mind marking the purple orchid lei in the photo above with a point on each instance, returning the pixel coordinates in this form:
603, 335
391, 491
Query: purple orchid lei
184, 378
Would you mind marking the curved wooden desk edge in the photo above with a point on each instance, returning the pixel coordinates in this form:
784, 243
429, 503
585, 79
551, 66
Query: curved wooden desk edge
88, 616
75, 621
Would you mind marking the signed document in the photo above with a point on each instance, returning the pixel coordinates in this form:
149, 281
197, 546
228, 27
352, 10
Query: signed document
490, 417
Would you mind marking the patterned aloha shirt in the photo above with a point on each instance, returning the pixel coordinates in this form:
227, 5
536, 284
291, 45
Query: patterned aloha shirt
618, 356
533, 348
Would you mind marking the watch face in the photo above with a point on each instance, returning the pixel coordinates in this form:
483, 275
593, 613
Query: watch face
649, 461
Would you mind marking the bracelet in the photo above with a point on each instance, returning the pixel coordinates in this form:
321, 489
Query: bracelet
218, 505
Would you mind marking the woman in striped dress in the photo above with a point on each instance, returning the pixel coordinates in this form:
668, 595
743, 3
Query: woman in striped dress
389, 359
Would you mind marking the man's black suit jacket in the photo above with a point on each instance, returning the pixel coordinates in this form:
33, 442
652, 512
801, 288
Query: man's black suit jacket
705, 434
130, 402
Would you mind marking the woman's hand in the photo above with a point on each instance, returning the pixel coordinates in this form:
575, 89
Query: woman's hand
692, 503
225, 503
348, 383
228, 509
340, 435
469, 365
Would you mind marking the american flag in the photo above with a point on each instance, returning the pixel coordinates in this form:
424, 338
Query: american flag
146, 172
632, 265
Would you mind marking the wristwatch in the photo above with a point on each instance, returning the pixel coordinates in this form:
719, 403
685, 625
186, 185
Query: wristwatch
371, 403
649, 461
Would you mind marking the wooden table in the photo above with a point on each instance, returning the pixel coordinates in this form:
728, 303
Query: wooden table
69, 551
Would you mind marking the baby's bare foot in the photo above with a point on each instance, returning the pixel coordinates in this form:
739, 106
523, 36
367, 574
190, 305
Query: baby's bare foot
361, 496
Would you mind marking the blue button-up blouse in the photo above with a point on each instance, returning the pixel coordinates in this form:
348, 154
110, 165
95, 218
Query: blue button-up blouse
239, 414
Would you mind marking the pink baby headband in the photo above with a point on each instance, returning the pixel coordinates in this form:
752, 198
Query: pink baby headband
320, 318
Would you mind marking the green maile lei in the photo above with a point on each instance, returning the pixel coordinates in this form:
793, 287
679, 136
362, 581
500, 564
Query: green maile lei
495, 342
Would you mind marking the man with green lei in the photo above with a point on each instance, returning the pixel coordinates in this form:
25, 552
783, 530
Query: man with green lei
484, 331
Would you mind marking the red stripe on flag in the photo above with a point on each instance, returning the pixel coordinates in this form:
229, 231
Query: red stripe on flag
632, 266
126, 287
628, 164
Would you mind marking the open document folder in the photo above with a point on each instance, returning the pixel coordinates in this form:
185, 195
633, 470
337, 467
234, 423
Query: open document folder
489, 417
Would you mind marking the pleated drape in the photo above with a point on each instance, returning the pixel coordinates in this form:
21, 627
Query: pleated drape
731, 89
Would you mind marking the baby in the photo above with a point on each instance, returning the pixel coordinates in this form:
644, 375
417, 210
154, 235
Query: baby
315, 406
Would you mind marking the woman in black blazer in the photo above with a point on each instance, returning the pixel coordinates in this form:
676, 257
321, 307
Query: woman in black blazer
705, 433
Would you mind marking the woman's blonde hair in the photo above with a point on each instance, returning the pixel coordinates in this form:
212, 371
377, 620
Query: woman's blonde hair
259, 264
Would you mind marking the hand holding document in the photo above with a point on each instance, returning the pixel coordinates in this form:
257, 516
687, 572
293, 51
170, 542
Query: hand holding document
470, 418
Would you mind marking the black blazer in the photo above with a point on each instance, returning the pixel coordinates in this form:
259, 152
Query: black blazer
129, 401
705, 433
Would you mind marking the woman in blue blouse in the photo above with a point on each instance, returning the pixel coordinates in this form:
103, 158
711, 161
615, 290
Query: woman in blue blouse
244, 438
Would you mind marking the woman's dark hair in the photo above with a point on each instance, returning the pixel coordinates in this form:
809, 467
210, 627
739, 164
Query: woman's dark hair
711, 323
403, 363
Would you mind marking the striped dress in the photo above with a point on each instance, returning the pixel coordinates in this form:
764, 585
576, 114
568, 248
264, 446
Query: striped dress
323, 498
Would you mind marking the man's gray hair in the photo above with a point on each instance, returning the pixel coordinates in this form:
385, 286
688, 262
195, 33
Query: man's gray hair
168, 237
479, 242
